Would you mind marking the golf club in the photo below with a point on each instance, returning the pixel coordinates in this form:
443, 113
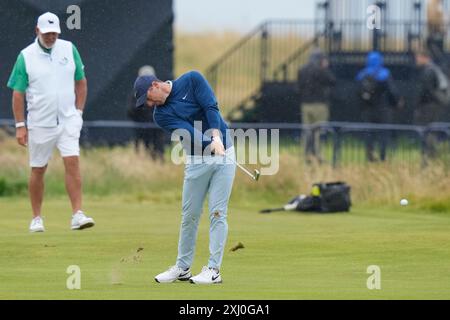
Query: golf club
254, 176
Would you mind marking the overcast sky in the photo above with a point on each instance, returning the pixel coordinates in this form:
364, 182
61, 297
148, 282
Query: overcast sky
236, 15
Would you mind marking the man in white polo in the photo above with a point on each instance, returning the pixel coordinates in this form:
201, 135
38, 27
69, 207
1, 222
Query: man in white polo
49, 74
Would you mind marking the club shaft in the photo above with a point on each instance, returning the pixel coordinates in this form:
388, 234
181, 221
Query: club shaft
243, 168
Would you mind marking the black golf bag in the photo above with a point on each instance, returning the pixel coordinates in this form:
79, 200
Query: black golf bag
332, 197
324, 198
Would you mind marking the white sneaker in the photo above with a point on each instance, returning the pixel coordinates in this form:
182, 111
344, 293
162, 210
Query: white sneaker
207, 276
80, 221
37, 225
173, 274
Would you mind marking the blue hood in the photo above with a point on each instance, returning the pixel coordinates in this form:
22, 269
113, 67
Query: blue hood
374, 67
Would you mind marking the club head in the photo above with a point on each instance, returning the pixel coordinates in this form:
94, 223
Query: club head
257, 174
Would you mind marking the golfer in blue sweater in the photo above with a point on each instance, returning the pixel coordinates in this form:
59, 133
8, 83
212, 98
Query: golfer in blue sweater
188, 107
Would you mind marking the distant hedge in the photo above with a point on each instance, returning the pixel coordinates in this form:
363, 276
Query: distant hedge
8, 188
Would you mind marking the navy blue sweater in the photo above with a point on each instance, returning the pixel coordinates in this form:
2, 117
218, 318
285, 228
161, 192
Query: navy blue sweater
192, 100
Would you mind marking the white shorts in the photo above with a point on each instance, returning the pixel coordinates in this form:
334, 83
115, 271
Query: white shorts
42, 141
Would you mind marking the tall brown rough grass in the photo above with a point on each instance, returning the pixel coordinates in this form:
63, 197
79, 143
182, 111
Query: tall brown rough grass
120, 171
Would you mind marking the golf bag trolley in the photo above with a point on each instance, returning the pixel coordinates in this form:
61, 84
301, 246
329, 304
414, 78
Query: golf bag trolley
324, 198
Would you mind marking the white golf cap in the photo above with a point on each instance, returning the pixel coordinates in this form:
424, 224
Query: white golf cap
48, 22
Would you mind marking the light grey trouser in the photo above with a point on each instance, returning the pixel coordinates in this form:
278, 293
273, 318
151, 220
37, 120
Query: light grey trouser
313, 113
214, 176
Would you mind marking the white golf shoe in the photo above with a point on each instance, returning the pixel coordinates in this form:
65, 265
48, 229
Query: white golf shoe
173, 274
37, 225
207, 276
80, 221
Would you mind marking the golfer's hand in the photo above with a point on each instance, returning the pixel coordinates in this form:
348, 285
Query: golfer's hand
217, 146
22, 136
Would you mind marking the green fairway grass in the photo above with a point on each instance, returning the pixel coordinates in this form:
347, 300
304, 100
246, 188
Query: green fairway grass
285, 255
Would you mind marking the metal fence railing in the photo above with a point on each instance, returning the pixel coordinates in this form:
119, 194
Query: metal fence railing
347, 143
237, 75
339, 143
